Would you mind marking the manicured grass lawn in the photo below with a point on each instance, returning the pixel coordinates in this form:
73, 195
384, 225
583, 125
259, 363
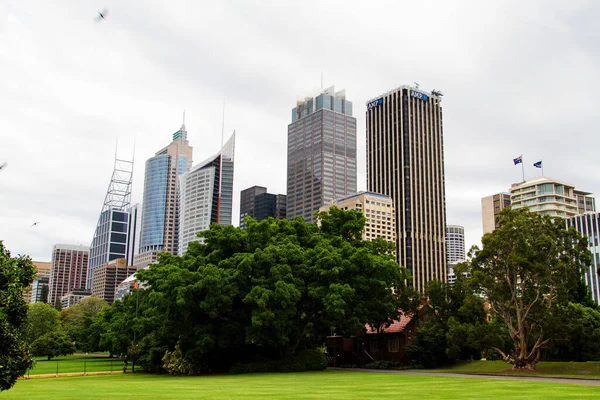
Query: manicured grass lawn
307, 385
586, 369
71, 364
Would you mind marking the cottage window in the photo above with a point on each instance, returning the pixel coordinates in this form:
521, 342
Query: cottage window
393, 344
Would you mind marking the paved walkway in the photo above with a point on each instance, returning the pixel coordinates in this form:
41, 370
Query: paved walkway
572, 381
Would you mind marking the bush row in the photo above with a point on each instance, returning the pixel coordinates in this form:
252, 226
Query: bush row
307, 360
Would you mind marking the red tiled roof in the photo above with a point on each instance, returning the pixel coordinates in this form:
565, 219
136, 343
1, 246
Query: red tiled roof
396, 326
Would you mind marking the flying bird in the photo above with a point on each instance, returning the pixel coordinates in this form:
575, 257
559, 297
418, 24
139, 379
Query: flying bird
34, 224
3, 165
101, 15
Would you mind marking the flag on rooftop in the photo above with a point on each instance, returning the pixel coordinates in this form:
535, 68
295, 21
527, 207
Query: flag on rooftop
518, 160
538, 164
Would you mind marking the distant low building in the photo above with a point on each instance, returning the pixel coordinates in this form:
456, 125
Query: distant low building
124, 288
42, 272
547, 196
377, 208
589, 226
491, 206
74, 297
108, 276
37, 289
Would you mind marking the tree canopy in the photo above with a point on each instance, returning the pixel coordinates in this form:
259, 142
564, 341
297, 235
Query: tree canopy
267, 291
16, 273
527, 266
41, 319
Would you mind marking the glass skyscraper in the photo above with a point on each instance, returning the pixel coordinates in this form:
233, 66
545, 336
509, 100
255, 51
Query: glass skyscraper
206, 195
321, 155
116, 231
160, 220
257, 203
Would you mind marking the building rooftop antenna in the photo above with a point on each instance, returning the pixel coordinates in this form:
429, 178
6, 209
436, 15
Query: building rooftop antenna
416, 84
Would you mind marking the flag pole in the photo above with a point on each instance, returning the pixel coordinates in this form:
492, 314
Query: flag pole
522, 168
542, 161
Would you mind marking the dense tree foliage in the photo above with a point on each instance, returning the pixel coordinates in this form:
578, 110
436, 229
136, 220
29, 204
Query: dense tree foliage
41, 319
16, 273
78, 321
53, 344
528, 266
575, 332
454, 326
265, 292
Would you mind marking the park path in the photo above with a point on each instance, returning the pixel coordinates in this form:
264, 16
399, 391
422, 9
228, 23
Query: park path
572, 381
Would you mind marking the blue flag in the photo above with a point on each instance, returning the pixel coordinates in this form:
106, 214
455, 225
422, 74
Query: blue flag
518, 160
538, 164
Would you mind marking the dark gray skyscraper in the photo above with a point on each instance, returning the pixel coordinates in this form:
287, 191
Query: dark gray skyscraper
321, 159
405, 160
258, 204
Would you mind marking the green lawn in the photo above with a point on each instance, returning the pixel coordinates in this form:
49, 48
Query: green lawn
71, 364
585, 369
308, 385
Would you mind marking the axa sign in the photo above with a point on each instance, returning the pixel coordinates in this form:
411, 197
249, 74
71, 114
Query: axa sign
374, 103
419, 95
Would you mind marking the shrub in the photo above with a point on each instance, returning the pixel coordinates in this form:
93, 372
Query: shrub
307, 360
381, 364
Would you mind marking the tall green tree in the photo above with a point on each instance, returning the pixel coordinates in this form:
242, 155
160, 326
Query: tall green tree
77, 321
527, 266
53, 344
41, 319
269, 290
16, 273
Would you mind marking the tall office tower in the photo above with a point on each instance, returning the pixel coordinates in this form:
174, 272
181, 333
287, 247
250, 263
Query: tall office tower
69, 270
491, 206
455, 243
108, 276
588, 225
258, 204
115, 234
206, 195
548, 196
378, 209
160, 223
405, 160
321, 157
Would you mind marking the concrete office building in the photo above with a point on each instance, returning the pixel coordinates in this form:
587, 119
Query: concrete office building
206, 195
74, 297
455, 243
321, 153
37, 289
68, 271
160, 217
258, 204
588, 225
491, 206
455, 249
377, 208
32, 293
405, 160
108, 276
548, 196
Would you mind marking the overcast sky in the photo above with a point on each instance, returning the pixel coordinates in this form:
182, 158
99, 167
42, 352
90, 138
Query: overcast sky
519, 77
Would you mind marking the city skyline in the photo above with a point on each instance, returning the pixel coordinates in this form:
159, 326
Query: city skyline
75, 86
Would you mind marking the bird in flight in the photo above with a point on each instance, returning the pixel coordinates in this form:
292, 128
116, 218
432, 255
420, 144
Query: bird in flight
34, 224
3, 165
101, 15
